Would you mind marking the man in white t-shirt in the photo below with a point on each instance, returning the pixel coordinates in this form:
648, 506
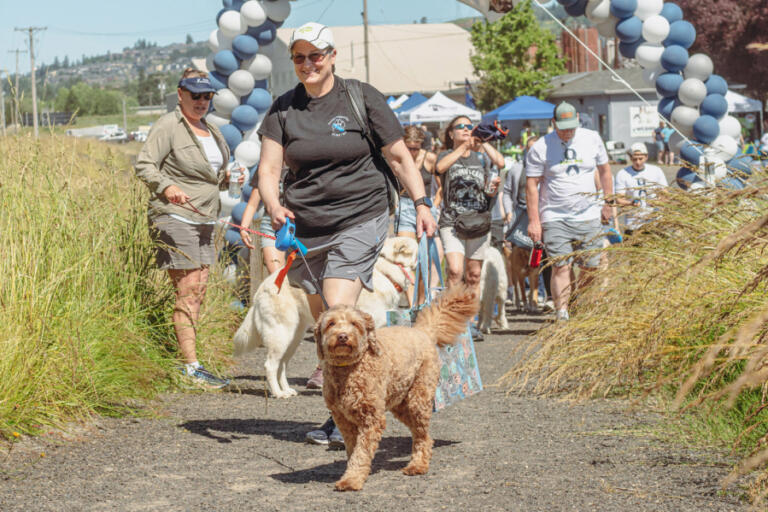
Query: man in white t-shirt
563, 207
636, 183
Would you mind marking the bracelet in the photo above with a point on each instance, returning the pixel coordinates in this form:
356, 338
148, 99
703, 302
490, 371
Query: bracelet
612, 202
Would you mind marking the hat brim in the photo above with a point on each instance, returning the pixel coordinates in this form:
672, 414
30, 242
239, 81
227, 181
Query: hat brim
198, 90
320, 45
567, 124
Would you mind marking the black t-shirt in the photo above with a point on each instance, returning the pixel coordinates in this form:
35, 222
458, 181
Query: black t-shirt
333, 183
463, 187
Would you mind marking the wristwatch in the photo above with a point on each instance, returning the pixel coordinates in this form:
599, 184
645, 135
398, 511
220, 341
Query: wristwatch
423, 201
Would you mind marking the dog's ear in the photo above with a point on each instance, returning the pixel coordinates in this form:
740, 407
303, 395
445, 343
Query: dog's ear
319, 337
370, 333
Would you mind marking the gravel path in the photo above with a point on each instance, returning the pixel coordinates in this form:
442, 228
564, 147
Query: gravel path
237, 451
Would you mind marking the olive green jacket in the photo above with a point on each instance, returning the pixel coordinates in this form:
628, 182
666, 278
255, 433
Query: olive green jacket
173, 155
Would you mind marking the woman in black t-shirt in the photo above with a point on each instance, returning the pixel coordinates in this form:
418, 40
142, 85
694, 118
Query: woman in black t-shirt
465, 167
334, 192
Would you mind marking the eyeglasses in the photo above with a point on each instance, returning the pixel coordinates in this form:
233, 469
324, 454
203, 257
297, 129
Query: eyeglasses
461, 126
201, 95
314, 57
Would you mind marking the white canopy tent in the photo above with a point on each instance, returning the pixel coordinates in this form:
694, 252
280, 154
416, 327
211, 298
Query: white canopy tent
738, 103
438, 109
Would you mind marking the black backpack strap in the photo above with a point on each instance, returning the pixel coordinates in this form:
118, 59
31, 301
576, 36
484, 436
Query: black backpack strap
283, 102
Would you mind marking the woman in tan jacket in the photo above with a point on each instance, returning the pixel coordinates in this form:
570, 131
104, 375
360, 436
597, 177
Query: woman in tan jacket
184, 164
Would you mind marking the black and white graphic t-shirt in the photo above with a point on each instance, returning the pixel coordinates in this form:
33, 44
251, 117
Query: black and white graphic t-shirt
333, 183
463, 186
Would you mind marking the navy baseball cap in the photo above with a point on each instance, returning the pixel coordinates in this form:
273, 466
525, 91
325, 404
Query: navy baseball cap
197, 84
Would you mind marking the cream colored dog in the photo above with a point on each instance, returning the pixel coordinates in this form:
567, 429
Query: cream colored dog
493, 286
278, 321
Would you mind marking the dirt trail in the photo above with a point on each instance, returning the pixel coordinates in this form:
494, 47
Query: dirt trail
235, 451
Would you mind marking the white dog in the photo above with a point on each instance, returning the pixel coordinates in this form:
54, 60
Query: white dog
278, 321
493, 286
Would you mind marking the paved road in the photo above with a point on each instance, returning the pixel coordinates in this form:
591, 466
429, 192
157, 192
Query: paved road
237, 451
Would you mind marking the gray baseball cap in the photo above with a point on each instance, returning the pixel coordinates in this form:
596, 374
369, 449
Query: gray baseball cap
566, 117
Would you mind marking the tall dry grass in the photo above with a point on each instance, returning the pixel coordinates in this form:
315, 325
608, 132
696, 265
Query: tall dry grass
84, 318
679, 314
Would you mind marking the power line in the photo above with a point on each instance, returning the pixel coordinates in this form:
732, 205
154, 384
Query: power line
189, 26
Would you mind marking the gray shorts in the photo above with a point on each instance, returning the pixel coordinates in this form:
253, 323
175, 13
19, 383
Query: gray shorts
182, 246
349, 254
265, 226
563, 237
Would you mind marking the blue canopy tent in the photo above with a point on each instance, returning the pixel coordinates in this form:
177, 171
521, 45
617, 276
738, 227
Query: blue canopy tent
416, 99
521, 108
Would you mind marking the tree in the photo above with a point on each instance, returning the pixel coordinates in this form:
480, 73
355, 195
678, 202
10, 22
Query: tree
189, 39
513, 56
724, 28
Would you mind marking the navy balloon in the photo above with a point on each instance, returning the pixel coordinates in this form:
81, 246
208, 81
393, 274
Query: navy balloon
217, 80
628, 50
674, 58
233, 4
260, 84
237, 212
246, 190
245, 46
629, 29
672, 12
691, 152
218, 14
232, 135
706, 129
225, 62
716, 85
245, 117
264, 33
667, 105
232, 236
566, 3
714, 105
667, 84
623, 8
686, 177
577, 9
740, 165
681, 33
260, 99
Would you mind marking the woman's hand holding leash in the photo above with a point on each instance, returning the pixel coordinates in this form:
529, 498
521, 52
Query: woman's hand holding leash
278, 216
175, 195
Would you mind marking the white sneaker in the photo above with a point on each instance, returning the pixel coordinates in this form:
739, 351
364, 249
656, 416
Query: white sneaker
563, 316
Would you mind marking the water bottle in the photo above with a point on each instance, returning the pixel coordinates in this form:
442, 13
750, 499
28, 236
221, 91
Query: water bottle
234, 176
490, 187
535, 259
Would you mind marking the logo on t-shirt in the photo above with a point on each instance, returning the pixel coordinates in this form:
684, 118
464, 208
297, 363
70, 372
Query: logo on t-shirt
572, 160
338, 125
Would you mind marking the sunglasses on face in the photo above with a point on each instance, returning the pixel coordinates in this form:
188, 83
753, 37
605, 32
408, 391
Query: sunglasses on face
314, 57
461, 126
196, 96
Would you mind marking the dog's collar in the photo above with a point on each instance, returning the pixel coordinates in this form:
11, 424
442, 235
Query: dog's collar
395, 283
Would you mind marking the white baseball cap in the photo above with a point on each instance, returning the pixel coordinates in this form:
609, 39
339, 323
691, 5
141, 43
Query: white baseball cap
316, 34
638, 147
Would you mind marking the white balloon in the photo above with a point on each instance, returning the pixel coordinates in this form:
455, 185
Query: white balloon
225, 101
655, 29
648, 55
650, 74
692, 92
218, 41
248, 152
217, 118
232, 24
699, 66
724, 147
253, 13
227, 203
598, 11
607, 28
647, 8
730, 126
683, 118
260, 66
277, 10
241, 82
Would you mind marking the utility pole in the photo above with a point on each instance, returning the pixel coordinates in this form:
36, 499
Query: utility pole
16, 94
365, 41
125, 118
2, 99
32, 31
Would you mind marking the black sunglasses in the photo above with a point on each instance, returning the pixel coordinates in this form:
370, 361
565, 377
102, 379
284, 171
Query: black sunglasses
198, 95
314, 57
461, 126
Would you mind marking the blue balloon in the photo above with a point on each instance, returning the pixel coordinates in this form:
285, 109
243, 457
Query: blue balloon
667, 84
237, 212
706, 129
672, 12
667, 105
233, 4
232, 236
741, 166
731, 183
691, 152
716, 85
681, 33
246, 190
260, 99
629, 29
714, 105
225, 62
232, 135
623, 8
245, 46
218, 80
265, 33
674, 58
244, 117
566, 3
577, 9
629, 50
686, 177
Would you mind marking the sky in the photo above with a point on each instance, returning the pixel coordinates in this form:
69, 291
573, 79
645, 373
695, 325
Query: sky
91, 27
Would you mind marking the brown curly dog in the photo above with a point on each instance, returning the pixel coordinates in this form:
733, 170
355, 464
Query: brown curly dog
368, 371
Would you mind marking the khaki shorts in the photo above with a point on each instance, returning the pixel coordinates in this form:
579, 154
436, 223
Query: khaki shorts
471, 248
563, 237
182, 246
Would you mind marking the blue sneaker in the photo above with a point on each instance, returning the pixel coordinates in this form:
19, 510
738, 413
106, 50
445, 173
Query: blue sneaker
323, 434
204, 379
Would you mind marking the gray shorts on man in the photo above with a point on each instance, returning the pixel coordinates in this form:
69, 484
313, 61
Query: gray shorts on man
563, 237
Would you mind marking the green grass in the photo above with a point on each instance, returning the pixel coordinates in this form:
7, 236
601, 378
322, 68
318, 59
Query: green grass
85, 318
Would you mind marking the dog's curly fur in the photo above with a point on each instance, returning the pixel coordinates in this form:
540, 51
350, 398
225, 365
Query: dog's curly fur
369, 371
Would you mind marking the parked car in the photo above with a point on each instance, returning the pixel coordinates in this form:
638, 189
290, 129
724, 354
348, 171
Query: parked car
115, 136
139, 136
